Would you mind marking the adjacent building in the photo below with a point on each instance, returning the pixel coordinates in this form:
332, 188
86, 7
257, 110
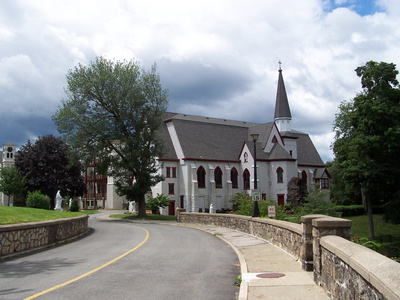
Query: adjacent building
7, 155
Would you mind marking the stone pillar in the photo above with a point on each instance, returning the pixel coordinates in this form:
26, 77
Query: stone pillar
323, 227
178, 213
306, 251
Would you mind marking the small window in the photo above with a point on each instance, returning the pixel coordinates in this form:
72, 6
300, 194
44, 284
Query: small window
246, 180
234, 178
279, 174
218, 178
168, 172
246, 157
324, 183
201, 177
171, 188
274, 140
173, 172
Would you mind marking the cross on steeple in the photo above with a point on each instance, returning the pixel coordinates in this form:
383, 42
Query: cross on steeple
280, 64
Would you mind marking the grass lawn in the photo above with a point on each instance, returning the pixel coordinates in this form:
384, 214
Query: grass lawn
15, 215
382, 230
147, 217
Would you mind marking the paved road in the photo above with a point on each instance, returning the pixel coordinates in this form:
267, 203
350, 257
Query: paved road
160, 262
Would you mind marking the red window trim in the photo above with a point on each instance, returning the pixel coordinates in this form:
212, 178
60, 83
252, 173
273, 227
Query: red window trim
171, 186
173, 172
235, 173
279, 180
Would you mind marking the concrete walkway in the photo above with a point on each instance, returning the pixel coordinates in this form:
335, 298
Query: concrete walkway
267, 271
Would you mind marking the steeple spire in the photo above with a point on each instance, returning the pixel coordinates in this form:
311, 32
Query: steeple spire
282, 110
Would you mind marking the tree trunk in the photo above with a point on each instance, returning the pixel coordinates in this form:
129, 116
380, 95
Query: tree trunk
368, 205
142, 206
370, 219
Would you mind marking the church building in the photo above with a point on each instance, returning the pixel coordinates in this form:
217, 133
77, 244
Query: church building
210, 159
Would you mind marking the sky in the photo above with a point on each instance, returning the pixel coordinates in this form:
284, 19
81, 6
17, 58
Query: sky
216, 58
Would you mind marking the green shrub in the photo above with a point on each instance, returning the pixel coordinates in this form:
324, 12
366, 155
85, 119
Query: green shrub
155, 203
74, 205
316, 203
350, 210
242, 204
37, 200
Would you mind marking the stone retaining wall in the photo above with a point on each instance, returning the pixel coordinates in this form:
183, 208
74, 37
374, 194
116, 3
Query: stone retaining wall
344, 269
286, 235
19, 238
351, 271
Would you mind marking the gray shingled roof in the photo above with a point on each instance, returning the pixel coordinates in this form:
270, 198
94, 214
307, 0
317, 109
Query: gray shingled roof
279, 153
282, 109
307, 154
221, 139
213, 139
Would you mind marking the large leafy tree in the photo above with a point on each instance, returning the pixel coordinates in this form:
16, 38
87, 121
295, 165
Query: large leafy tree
12, 183
113, 112
47, 166
367, 138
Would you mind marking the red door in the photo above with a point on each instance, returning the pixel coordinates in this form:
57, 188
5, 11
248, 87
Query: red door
281, 199
171, 208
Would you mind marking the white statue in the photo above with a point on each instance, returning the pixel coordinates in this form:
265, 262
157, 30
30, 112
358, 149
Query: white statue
211, 208
58, 201
132, 207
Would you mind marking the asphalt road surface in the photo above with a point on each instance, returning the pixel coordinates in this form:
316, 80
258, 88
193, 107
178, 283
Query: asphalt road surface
123, 260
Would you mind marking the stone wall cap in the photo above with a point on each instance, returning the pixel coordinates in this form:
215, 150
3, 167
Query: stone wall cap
21, 226
309, 218
382, 272
331, 222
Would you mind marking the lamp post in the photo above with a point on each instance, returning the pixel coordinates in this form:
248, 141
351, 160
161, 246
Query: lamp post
256, 210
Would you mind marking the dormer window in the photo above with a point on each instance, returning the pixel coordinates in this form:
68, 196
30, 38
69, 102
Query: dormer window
274, 140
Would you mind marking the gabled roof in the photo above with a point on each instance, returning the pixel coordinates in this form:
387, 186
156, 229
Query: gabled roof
279, 153
307, 154
282, 109
264, 130
210, 138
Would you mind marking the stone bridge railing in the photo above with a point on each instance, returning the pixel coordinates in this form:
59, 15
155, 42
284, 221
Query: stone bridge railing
344, 269
19, 238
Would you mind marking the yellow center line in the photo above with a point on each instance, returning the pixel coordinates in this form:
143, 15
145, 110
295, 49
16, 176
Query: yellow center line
92, 271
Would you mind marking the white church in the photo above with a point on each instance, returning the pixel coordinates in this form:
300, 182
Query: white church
211, 159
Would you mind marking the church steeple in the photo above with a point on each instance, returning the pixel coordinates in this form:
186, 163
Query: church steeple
282, 115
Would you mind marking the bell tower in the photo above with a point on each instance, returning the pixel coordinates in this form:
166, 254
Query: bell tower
282, 116
8, 154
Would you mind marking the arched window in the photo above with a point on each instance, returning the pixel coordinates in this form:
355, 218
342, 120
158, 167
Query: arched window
304, 176
246, 180
279, 174
218, 178
234, 178
201, 177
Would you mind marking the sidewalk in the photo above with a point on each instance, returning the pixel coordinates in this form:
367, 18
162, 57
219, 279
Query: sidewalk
267, 271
